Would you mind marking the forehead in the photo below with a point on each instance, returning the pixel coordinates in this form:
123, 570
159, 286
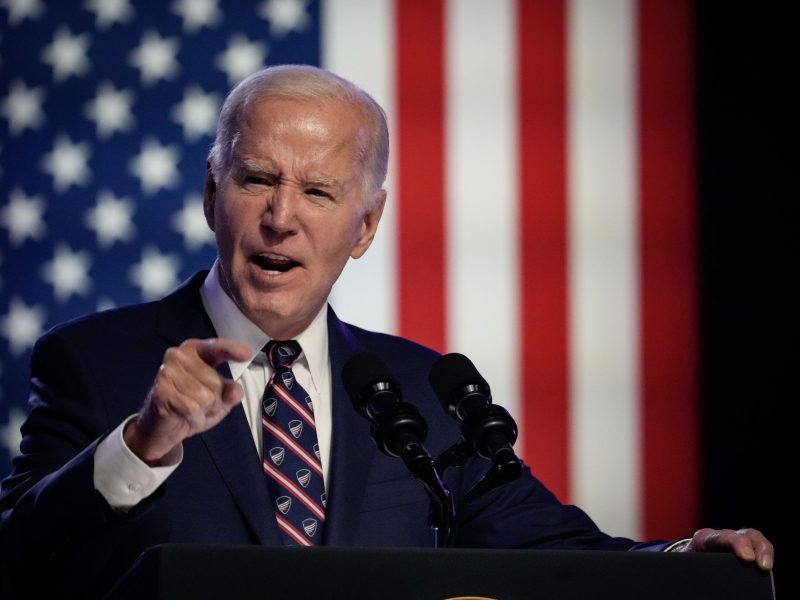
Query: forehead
328, 122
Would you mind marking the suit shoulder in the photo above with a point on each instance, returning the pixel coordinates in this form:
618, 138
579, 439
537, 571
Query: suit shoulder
393, 347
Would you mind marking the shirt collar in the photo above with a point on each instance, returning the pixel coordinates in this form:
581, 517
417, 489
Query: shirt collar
230, 323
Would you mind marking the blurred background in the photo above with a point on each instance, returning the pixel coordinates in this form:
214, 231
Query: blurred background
589, 199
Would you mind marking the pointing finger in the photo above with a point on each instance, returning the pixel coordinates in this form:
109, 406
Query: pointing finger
215, 351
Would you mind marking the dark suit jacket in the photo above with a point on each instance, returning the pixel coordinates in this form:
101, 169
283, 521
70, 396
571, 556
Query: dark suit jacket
90, 374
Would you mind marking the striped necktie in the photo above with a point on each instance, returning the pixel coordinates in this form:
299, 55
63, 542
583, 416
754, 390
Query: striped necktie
291, 452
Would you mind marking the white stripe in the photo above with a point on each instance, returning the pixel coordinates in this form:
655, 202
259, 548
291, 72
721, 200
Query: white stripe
295, 491
481, 191
294, 404
603, 263
291, 531
357, 43
297, 449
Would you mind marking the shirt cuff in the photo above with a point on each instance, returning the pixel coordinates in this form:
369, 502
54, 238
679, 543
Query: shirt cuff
123, 478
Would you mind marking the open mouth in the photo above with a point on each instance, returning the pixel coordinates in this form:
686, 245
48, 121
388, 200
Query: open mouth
275, 262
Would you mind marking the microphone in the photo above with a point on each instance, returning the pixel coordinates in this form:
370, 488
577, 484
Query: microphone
396, 426
399, 430
488, 428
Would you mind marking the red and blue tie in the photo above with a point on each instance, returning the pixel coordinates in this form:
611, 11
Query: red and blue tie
291, 452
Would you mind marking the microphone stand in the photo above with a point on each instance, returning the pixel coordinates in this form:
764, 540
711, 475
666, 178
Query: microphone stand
441, 513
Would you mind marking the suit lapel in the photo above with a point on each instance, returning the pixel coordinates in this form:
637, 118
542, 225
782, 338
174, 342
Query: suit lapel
350, 443
230, 443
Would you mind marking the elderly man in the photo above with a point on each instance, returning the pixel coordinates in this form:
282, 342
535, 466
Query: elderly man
218, 414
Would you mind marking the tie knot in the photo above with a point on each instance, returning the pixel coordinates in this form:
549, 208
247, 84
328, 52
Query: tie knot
282, 353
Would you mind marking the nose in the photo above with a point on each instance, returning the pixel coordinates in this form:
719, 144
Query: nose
280, 213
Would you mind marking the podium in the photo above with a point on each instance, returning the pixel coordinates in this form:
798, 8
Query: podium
173, 572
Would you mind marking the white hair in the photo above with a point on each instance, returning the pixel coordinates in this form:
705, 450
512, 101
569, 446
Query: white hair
301, 82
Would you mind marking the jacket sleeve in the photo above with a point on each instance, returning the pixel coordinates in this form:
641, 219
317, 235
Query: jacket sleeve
50, 508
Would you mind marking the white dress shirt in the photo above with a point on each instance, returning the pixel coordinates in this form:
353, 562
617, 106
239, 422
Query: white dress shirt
125, 480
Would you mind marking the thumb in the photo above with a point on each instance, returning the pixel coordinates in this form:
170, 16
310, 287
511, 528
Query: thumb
232, 393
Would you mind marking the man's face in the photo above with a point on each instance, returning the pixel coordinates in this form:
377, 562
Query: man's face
291, 210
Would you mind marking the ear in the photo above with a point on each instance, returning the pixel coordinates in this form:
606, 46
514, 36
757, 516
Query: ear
209, 196
369, 225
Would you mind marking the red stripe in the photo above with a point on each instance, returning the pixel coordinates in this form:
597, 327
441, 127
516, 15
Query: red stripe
296, 448
293, 403
668, 269
543, 240
293, 489
292, 532
421, 171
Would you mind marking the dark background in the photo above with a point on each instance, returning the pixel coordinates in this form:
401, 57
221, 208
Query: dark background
747, 61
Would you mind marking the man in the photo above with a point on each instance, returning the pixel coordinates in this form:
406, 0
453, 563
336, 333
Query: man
150, 424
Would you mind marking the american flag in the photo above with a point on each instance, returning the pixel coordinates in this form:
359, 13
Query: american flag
540, 216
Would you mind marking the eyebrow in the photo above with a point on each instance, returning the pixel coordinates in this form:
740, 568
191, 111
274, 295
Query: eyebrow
256, 167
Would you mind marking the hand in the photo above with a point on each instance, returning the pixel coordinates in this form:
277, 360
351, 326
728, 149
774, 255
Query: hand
188, 397
748, 545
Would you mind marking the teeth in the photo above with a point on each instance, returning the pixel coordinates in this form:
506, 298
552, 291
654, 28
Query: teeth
277, 257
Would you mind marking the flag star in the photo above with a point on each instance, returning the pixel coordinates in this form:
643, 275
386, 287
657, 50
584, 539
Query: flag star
10, 434
196, 113
190, 222
68, 273
67, 163
156, 166
23, 107
155, 57
23, 217
108, 12
66, 54
111, 219
110, 110
197, 13
22, 326
19, 10
241, 58
155, 274
284, 15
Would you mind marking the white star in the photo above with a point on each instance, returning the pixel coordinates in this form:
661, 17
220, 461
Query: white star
241, 58
23, 217
19, 10
155, 57
66, 54
10, 435
22, 326
155, 166
110, 110
108, 12
155, 274
67, 163
197, 13
284, 15
23, 107
196, 113
111, 219
68, 273
190, 222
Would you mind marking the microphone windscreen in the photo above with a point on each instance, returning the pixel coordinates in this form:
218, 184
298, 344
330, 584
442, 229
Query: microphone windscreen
453, 372
362, 371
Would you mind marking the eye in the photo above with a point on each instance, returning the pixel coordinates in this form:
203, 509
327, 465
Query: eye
317, 192
256, 180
